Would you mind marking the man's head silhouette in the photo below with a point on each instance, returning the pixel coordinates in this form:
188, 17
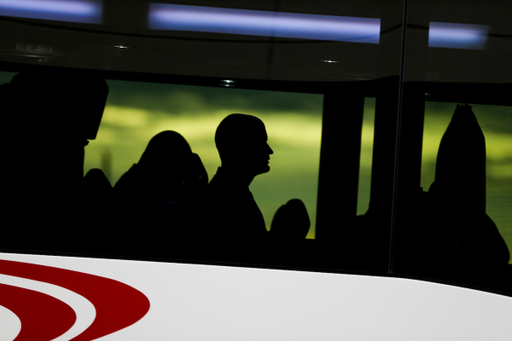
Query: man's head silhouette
242, 144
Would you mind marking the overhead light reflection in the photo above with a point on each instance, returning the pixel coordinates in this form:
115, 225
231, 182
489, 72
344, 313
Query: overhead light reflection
228, 83
80, 11
457, 36
264, 23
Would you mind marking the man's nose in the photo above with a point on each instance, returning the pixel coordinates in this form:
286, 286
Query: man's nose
270, 151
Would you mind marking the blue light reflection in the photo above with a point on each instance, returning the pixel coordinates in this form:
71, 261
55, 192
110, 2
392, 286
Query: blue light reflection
80, 11
263, 23
457, 36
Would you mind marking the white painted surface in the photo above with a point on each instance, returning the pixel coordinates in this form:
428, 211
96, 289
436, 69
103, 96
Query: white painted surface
200, 302
10, 324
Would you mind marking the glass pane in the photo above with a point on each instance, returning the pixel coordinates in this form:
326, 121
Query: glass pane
322, 76
456, 228
136, 111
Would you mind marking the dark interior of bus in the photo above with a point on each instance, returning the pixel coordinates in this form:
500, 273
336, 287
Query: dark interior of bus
390, 152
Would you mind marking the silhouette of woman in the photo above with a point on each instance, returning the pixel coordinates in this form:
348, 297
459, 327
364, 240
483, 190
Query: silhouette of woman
158, 192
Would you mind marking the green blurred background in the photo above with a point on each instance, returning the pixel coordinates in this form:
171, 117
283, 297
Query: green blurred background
136, 111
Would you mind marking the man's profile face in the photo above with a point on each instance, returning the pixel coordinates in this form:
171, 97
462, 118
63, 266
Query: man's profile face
257, 152
242, 143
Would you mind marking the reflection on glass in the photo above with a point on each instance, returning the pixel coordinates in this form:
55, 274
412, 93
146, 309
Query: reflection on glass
135, 112
365, 168
457, 36
263, 23
80, 11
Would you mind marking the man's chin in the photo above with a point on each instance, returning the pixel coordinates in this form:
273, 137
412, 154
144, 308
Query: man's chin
261, 169
265, 169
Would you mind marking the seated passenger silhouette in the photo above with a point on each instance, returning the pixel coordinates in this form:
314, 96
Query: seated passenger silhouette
97, 209
241, 141
159, 191
43, 141
460, 231
244, 152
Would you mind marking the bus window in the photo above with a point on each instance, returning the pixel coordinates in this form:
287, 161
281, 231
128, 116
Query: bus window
137, 111
322, 146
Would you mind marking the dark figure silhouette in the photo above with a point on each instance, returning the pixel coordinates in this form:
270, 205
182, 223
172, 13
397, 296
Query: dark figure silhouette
157, 195
97, 210
244, 152
460, 233
96, 183
291, 222
48, 119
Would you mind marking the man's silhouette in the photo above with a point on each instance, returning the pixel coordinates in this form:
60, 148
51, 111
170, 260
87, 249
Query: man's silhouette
48, 116
244, 152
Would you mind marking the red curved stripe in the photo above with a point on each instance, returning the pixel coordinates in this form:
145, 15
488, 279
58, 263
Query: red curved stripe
42, 316
117, 304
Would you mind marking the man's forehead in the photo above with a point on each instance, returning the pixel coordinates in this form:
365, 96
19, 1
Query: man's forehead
257, 133
242, 129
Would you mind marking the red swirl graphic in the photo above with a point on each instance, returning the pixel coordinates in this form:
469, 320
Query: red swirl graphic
44, 317
117, 305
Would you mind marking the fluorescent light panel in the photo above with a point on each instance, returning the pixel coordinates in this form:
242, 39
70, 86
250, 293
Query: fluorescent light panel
263, 23
81, 11
457, 36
